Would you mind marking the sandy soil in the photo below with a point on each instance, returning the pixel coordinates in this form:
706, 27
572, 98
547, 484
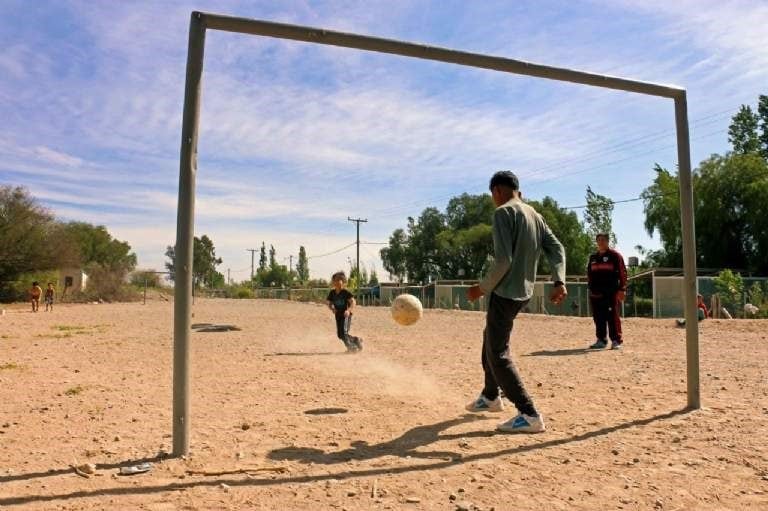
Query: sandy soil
319, 429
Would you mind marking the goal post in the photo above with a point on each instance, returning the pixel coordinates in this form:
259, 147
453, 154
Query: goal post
200, 22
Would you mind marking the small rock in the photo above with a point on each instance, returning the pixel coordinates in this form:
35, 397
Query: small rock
659, 504
87, 468
412, 500
117, 438
464, 506
245, 426
452, 497
461, 490
224, 487
615, 452
635, 460
351, 493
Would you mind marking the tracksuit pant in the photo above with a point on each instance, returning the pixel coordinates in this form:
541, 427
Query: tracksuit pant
605, 313
499, 369
343, 324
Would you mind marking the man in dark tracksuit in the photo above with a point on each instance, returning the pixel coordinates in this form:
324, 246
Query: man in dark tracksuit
607, 280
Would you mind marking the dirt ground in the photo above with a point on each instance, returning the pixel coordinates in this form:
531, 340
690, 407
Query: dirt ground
283, 419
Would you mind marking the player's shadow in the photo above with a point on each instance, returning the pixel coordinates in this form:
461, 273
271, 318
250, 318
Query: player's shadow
305, 354
559, 353
405, 445
410, 441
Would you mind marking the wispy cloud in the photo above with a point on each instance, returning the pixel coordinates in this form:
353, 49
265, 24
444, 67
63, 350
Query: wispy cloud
295, 137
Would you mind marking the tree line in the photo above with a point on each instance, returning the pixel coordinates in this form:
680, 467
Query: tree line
33, 243
269, 273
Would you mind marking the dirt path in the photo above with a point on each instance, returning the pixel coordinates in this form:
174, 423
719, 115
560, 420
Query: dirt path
381, 430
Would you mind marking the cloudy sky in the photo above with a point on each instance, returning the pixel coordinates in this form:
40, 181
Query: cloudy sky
295, 137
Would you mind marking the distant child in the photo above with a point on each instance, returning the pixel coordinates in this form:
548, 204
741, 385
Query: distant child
701, 308
49, 296
341, 302
35, 294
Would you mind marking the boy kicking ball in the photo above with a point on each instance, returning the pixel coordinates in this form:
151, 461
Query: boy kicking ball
341, 302
520, 236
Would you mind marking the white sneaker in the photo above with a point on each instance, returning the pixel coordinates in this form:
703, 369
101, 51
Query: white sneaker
523, 424
481, 404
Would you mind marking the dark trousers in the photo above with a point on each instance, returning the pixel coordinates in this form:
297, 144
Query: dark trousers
343, 324
605, 313
497, 361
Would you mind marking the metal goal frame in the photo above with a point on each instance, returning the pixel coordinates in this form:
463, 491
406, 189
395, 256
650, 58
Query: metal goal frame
200, 22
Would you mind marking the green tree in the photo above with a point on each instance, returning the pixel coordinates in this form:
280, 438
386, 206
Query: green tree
272, 256
204, 263
661, 204
570, 231
466, 211
394, 255
373, 280
24, 232
762, 114
598, 215
730, 287
275, 276
263, 257
465, 252
742, 133
732, 212
423, 257
97, 246
302, 266
467, 240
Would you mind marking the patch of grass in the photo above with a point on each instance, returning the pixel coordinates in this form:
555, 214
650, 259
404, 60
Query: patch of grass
74, 391
10, 365
68, 328
55, 336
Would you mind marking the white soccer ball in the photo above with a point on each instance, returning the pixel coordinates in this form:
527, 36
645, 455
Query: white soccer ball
406, 309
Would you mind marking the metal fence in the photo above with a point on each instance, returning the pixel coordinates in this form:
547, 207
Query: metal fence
437, 295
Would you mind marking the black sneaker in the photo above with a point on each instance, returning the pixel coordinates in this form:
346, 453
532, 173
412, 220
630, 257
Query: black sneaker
599, 344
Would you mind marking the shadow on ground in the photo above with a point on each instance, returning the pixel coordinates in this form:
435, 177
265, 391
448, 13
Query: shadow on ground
559, 353
404, 445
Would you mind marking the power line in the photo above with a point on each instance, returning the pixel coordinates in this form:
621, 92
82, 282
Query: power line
331, 253
633, 142
634, 199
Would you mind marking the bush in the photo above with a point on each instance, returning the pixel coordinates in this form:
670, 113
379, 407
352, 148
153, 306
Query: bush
139, 277
243, 292
644, 307
730, 288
